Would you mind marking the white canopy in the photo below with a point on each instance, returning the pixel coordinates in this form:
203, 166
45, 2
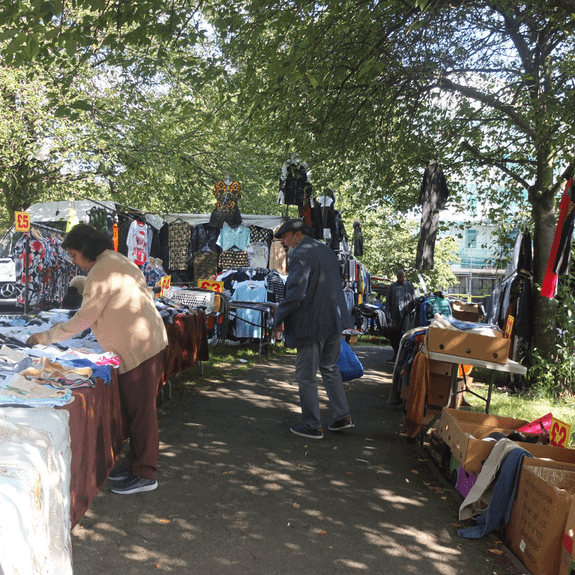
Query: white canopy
270, 222
58, 211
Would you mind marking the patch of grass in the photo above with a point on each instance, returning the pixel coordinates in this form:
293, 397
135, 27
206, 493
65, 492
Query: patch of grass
528, 405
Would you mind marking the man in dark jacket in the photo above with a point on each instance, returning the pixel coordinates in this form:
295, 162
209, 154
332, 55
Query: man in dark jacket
399, 295
313, 316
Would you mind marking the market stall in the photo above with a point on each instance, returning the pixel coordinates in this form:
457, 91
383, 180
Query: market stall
65, 452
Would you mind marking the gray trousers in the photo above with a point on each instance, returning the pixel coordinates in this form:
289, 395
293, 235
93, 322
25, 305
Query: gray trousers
322, 355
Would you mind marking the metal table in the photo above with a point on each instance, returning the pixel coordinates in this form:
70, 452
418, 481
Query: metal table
509, 366
265, 309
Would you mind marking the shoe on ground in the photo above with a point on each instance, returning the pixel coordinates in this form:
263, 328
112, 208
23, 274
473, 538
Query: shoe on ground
305, 431
134, 484
391, 360
345, 423
119, 474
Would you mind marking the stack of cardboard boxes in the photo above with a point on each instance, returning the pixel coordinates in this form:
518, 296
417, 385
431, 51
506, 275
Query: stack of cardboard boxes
541, 528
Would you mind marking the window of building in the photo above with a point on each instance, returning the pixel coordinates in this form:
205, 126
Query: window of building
471, 238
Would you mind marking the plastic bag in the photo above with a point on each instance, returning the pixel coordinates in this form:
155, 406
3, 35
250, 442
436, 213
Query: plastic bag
348, 363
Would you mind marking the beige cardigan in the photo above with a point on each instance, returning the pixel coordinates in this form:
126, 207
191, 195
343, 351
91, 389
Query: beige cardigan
119, 307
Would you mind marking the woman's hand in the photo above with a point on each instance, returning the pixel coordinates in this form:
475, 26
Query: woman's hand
34, 339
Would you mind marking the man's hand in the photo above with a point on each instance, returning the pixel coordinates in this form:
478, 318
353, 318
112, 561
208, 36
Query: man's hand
278, 330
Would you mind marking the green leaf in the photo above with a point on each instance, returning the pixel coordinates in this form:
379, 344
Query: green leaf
81, 105
62, 111
70, 46
312, 80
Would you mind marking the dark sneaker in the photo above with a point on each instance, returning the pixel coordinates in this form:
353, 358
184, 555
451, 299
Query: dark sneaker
134, 484
119, 474
345, 423
305, 431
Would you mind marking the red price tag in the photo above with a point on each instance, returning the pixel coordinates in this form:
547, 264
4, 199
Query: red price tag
22, 221
559, 433
211, 285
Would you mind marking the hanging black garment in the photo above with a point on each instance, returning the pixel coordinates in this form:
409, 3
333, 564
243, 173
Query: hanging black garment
164, 251
432, 196
338, 232
204, 238
296, 187
357, 239
563, 257
316, 219
123, 229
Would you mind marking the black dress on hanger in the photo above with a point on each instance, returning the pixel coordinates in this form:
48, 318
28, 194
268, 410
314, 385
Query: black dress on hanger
432, 196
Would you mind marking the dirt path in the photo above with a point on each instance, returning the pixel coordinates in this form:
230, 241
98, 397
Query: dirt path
239, 494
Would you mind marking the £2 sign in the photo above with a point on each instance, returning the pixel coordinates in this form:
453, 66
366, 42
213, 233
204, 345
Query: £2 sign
559, 433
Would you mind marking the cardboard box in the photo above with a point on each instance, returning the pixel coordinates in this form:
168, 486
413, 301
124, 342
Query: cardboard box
471, 345
466, 311
439, 450
537, 524
567, 560
464, 431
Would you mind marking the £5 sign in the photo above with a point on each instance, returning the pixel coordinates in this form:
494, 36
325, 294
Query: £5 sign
22, 221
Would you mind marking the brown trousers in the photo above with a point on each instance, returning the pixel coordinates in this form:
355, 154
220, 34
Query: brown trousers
138, 392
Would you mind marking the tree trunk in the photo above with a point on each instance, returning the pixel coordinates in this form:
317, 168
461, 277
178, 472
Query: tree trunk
542, 202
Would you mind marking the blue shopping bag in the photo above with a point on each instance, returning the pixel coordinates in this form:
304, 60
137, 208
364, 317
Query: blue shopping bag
348, 363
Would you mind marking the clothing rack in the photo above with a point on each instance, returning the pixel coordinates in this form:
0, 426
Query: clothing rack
43, 228
47, 228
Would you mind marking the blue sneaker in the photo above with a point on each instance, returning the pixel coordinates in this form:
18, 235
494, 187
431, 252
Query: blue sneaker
305, 431
345, 423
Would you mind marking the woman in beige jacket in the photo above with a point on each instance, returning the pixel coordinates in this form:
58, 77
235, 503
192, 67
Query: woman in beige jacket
118, 306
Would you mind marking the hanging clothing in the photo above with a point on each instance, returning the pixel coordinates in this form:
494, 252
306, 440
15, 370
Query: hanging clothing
295, 184
258, 234
179, 237
49, 270
258, 254
205, 265
249, 291
238, 236
275, 283
233, 258
100, 220
226, 208
558, 263
138, 242
433, 197
124, 224
72, 219
278, 256
357, 239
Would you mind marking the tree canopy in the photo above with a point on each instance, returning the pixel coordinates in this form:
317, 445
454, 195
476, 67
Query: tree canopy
152, 99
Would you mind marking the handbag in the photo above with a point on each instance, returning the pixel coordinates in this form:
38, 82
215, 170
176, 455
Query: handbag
349, 365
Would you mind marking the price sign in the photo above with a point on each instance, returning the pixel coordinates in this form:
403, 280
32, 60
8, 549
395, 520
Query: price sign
165, 284
22, 221
211, 285
509, 326
559, 433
